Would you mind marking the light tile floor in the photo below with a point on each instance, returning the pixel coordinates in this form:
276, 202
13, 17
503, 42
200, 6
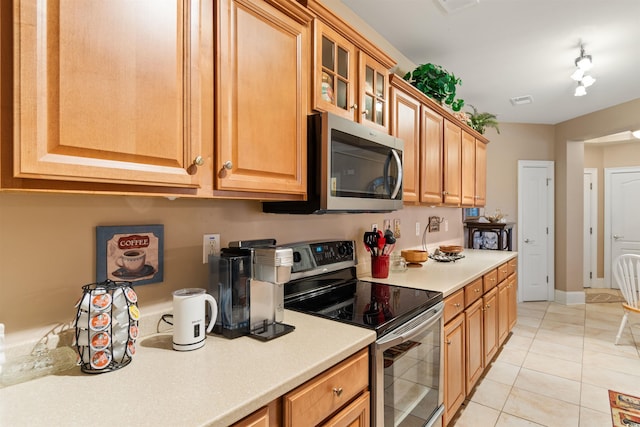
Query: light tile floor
556, 368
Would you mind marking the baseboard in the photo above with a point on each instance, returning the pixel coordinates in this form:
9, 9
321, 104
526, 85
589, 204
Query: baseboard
569, 298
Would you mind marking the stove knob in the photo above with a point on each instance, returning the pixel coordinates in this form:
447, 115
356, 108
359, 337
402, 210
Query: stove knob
297, 257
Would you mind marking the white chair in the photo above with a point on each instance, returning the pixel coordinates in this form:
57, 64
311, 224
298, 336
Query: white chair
627, 274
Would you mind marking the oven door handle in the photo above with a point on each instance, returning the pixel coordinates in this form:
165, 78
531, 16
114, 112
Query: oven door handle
413, 328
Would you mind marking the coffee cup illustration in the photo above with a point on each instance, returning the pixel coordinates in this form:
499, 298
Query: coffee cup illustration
132, 260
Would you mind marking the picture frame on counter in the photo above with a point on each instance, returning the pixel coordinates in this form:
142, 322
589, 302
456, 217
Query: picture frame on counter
133, 253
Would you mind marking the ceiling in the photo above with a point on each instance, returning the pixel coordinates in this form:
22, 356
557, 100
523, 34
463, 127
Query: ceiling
503, 49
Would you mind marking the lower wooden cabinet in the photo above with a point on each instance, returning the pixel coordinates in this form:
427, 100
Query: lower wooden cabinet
454, 367
356, 414
478, 319
260, 418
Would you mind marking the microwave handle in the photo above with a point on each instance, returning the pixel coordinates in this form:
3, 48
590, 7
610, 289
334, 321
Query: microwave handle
396, 189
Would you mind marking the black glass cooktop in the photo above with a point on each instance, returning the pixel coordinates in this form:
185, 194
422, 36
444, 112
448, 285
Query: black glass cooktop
340, 296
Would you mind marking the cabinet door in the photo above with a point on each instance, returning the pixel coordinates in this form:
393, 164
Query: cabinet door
259, 418
454, 367
373, 93
503, 311
261, 86
468, 170
481, 173
335, 76
452, 163
356, 414
432, 128
513, 300
490, 318
112, 92
474, 344
405, 124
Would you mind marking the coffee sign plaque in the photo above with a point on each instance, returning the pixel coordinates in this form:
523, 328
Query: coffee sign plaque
130, 253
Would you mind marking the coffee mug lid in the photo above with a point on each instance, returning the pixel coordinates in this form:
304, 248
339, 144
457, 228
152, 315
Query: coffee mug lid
188, 292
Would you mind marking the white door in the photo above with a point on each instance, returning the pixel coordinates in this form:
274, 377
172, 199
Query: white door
622, 208
535, 230
590, 190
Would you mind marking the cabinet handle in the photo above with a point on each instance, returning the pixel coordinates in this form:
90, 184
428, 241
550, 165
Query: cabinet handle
477, 290
365, 112
228, 165
448, 342
456, 305
444, 193
488, 306
198, 161
337, 391
354, 106
193, 167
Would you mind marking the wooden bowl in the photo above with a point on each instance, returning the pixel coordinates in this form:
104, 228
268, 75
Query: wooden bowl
414, 256
451, 249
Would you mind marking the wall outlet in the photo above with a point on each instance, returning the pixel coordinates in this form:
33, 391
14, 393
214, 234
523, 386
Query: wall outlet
374, 226
210, 246
396, 228
446, 225
418, 228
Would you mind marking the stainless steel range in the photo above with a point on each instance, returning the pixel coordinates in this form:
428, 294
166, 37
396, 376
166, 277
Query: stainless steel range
406, 368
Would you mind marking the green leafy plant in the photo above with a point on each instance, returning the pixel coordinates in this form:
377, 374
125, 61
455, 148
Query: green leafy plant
480, 121
437, 83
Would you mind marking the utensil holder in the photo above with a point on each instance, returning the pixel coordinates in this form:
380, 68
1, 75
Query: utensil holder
106, 326
380, 266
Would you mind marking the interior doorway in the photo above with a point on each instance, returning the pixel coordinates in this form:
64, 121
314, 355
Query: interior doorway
590, 235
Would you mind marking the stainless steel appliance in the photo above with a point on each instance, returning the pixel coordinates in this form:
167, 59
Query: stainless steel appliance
406, 368
350, 168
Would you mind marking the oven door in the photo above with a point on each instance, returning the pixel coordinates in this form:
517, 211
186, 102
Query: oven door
407, 373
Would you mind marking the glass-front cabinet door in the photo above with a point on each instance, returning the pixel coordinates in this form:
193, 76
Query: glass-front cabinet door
335, 73
374, 93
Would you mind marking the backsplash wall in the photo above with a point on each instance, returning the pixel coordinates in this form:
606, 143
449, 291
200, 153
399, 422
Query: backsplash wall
47, 245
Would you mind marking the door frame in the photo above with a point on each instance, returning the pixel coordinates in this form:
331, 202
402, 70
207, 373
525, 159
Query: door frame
608, 173
550, 166
591, 245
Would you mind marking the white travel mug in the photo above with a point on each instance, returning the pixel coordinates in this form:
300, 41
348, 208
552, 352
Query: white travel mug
189, 316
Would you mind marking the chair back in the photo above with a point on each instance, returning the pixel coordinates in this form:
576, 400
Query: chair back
627, 274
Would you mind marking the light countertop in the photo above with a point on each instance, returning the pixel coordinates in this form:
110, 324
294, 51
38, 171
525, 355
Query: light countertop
213, 386
448, 277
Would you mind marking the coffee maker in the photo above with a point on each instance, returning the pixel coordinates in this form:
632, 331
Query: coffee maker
247, 280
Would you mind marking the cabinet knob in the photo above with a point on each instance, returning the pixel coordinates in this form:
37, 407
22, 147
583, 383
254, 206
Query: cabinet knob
228, 165
477, 290
198, 161
488, 305
444, 193
365, 112
456, 305
353, 107
448, 342
337, 391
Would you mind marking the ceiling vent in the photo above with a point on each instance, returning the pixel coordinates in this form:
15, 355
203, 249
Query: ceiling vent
451, 6
521, 100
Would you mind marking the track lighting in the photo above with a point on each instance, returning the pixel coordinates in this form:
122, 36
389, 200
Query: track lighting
583, 64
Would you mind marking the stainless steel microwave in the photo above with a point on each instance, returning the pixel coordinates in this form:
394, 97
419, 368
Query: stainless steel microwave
350, 167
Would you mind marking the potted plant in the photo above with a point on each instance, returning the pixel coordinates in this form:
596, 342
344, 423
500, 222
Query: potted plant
437, 83
480, 121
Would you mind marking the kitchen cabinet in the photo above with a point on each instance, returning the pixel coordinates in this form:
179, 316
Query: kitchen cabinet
454, 367
477, 319
260, 418
262, 67
443, 164
350, 76
110, 93
329, 394
452, 182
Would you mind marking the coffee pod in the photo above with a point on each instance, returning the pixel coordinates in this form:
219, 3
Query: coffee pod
100, 341
119, 300
101, 359
131, 295
82, 338
100, 301
120, 335
118, 351
121, 317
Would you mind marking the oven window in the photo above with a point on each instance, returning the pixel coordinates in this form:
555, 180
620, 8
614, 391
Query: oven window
412, 380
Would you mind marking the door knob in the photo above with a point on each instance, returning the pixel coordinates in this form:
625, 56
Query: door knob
529, 240
616, 237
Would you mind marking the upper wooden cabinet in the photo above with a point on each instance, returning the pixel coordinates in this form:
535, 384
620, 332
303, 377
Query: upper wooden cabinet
350, 75
112, 92
262, 69
451, 169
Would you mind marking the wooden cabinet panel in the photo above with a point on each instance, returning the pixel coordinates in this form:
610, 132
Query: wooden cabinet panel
503, 312
490, 319
503, 272
103, 97
452, 164
480, 198
513, 300
474, 334
490, 280
431, 155
512, 266
261, 80
315, 400
468, 169
356, 414
473, 291
406, 126
454, 367
373, 93
259, 418
453, 305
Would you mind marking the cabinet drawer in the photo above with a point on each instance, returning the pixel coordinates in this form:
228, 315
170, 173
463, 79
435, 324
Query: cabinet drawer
512, 266
503, 272
490, 280
472, 292
453, 305
321, 396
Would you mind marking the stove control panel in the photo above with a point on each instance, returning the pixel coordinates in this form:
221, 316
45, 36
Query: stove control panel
322, 255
